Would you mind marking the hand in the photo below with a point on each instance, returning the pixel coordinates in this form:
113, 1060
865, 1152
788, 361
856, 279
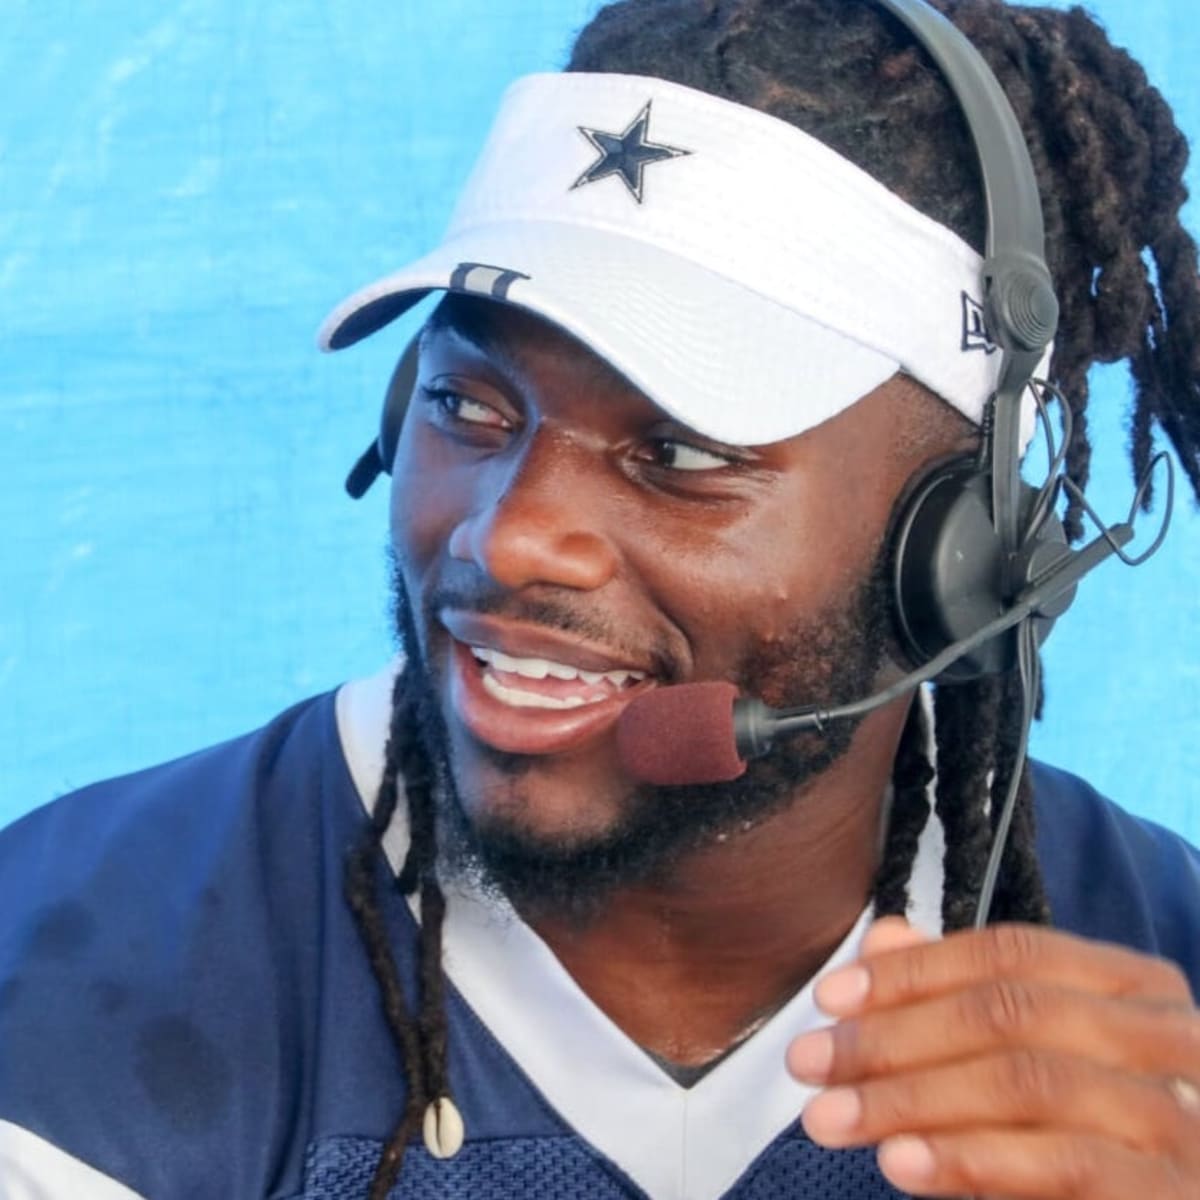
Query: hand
1010, 1062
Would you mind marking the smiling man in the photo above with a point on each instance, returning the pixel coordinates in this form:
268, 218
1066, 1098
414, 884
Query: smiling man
563, 545
710, 312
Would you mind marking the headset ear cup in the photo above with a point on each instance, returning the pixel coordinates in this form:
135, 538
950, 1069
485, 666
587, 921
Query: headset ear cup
395, 403
947, 570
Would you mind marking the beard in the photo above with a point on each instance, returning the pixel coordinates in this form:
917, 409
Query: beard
823, 659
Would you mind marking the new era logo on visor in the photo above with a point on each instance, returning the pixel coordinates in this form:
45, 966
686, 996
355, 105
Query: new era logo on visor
975, 330
485, 279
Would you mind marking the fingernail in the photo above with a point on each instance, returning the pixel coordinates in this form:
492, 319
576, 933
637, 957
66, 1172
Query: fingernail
907, 1161
1185, 1092
832, 1115
843, 991
810, 1057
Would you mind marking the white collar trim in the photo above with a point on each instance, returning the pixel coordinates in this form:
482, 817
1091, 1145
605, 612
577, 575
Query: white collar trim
675, 1143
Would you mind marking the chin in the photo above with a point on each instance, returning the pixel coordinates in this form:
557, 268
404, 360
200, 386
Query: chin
554, 801
560, 842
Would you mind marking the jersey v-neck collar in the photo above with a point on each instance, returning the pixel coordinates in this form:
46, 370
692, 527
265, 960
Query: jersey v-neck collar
676, 1143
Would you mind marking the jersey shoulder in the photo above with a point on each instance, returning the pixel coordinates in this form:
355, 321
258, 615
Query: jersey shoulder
100, 818
156, 955
1116, 877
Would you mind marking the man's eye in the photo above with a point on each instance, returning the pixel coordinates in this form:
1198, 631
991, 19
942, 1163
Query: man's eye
682, 456
454, 406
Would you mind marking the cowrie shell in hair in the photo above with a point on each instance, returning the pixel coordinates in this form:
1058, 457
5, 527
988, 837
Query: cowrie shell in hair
444, 1129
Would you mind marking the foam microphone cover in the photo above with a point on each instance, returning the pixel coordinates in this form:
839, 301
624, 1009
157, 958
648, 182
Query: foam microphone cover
674, 736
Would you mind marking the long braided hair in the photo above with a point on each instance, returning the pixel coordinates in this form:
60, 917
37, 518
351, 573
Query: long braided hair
1109, 161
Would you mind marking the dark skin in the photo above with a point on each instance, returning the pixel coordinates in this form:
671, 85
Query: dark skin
591, 515
686, 975
1011, 1062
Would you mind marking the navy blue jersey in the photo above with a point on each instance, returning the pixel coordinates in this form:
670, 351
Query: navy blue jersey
186, 1010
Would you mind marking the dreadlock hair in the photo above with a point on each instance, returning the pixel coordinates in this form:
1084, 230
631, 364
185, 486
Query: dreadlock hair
422, 1045
1109, 161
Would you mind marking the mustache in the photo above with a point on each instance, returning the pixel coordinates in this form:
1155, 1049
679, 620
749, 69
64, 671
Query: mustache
580, 618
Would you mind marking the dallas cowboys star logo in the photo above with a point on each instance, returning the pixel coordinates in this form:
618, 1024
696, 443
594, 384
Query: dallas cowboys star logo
626, 155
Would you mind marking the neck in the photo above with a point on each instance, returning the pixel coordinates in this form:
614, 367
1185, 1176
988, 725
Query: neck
691, 962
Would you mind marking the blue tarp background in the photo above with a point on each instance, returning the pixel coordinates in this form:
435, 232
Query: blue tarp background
186, 186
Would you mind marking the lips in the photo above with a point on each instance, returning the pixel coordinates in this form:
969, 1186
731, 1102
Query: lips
526, 689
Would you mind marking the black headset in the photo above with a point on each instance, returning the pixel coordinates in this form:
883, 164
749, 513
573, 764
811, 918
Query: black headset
970, 535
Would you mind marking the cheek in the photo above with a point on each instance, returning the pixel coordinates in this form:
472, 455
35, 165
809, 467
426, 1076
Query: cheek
726, 585
425, 505
743, 587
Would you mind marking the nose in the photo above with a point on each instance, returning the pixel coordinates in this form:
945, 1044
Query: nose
539, 519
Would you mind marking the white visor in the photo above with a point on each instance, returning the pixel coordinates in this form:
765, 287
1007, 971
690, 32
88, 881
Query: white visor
749, 280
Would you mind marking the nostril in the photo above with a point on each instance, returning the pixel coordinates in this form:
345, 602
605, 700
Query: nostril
520, 547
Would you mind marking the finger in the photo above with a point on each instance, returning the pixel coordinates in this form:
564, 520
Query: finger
1130, 1034
890, 933
1011, 1089
1033, 1164
1000, 952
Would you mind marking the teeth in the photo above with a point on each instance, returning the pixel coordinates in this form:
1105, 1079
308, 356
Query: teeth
539, 668
530, 668
519, 699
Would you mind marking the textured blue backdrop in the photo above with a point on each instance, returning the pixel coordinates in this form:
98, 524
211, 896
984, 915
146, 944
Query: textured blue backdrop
185, 187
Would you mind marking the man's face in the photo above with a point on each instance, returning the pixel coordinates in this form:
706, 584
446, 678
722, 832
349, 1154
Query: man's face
562, 544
